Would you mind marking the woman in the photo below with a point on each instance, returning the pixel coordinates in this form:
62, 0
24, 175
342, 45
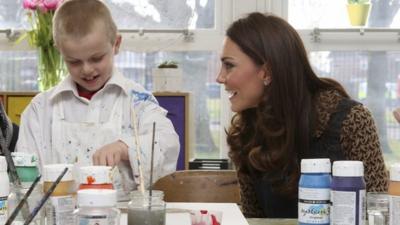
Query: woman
285, 113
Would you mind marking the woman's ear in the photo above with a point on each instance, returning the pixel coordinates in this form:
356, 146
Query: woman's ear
265, 75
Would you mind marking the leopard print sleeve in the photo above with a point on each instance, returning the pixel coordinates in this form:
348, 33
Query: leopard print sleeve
360, 141
248, 198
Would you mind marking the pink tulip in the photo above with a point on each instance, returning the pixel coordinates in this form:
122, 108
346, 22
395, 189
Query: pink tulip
29, 4
51, 4
41, 6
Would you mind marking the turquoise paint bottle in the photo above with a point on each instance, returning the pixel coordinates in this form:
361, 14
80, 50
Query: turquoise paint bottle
314, 192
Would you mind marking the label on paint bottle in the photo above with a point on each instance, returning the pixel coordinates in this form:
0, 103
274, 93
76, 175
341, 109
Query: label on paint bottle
3, 210
95, 220
314, 205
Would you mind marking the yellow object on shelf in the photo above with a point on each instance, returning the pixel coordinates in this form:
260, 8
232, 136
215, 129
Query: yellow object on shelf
358, 13
16, 105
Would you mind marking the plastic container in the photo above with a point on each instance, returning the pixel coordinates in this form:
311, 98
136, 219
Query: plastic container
394, 195
26, 166
314, 192
348, 193
97, 206
95, 177
4, 190
61, 204
143, 209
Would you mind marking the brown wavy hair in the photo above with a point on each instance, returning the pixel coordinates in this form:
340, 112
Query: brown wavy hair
273, 137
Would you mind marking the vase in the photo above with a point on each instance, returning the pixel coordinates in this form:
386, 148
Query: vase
167, 79
51, 67
358, 13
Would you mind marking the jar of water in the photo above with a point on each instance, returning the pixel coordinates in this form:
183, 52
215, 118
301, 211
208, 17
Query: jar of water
378, 208
146, 208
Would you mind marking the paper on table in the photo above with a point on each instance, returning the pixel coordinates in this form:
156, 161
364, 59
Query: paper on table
231, 214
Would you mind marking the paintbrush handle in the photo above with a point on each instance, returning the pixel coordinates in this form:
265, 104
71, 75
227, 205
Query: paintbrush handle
152, 160
45, 197
138, 149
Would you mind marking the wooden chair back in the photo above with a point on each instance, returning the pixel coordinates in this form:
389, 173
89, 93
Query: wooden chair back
200, 186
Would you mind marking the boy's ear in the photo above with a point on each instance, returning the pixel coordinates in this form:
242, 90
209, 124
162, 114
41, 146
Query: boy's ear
117, 44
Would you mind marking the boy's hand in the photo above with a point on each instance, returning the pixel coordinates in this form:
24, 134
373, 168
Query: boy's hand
111, 154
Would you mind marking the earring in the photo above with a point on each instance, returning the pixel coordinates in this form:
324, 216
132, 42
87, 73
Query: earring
265, 82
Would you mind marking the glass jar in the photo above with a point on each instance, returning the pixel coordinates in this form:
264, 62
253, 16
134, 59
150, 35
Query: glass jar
97, 206
146, 209
378, 208
32, 201
26, 166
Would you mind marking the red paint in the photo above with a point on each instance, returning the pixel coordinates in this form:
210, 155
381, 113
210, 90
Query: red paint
96, 186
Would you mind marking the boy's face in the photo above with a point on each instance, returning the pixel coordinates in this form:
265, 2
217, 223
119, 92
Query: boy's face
90, 59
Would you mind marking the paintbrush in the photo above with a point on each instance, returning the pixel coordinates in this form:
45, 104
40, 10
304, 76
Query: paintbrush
138, 149
152, 165
45, 197
23, 200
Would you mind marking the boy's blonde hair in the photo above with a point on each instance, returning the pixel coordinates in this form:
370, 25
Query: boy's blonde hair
77, 18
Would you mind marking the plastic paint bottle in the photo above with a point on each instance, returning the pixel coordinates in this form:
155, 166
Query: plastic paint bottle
97, 206
61, 204
4, 190
26, 166
95, 177
394, 195
348, 193
314, 192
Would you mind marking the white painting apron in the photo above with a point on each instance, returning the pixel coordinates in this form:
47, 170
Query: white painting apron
76, 142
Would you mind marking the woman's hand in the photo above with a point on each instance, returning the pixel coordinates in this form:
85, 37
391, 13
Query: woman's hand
396, 114
111, 154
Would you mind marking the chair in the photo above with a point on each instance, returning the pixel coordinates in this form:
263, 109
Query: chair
200, 186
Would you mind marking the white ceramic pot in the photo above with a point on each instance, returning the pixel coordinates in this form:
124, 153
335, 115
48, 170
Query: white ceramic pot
167, 79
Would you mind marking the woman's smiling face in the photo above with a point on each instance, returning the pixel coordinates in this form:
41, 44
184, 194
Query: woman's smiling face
242, 78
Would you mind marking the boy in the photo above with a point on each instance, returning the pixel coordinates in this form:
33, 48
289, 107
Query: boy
87, 119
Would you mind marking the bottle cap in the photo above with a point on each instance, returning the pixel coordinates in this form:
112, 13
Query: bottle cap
97, 198
395, 172
52, 171
25, 159
348, 168
95, 175
3, 164
316, 165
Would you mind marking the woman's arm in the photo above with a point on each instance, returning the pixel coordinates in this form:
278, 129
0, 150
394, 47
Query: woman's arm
248, 198
360, 141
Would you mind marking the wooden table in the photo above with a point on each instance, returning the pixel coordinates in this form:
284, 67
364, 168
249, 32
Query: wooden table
262, 221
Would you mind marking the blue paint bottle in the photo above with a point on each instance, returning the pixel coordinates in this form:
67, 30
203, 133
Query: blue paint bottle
314, 192
348, 193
